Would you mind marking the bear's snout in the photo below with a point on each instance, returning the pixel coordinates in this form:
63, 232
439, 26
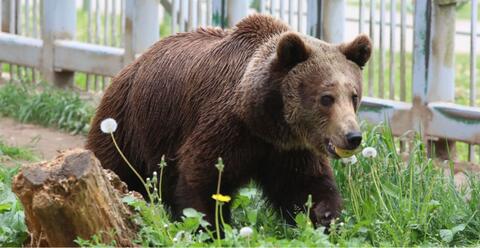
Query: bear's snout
353, 140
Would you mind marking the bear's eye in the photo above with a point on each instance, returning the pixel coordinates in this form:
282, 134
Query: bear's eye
327, 100
355, 99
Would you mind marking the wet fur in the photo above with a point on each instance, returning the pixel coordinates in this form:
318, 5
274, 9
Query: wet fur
184, 99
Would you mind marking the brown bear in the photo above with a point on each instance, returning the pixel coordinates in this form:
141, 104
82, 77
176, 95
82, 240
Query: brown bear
273, 103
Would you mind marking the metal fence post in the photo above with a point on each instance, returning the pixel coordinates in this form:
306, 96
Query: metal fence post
8, 16
434, 64
333, 20
441, 80
237, 9
58, 22
218, 13
314, 18
141, 27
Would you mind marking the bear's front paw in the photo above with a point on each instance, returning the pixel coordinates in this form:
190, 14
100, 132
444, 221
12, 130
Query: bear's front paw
323, 213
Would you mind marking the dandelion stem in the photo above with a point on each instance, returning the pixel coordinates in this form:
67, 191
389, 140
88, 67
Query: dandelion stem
217, 205
221, 214
160, 182
131, 167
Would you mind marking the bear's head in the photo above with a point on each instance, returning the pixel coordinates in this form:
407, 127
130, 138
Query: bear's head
301, 92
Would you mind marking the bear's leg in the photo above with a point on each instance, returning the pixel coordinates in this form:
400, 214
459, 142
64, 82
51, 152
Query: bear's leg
289, 188
195, 190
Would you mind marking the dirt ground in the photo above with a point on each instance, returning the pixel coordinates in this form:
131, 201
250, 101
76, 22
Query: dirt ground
45, 142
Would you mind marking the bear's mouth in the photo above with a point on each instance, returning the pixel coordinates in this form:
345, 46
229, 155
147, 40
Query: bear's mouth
337, 152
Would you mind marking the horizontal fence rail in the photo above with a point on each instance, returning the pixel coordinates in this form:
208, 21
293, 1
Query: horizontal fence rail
409, 82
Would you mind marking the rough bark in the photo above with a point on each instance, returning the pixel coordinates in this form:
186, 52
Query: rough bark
73, 196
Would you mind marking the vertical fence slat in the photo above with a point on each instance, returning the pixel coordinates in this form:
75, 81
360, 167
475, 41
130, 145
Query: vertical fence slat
209, 12
105, 22
361, 18
13, 20
273, 8
421, 48
218, 13
299, 15
381, 60
392, 47
334, 21
282, 10
141, 17
5, 20
441, 69
403, 67
190, 15
89, 38
199, 13
97, 22
27, 18
122, 23
174, 16
35, 18
313, 18
473, 52
18, 19
236, 10
290, 12
371, 64
181, 20
473, 66
12, 29
59, 22
97, 38
113, 17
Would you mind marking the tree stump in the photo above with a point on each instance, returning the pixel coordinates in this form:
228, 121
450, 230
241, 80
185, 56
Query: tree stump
73, 196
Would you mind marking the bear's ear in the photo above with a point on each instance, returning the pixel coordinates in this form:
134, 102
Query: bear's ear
358, 50
291, 50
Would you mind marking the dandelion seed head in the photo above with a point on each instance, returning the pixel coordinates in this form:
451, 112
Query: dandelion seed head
350, 160
108, 125
246, 232
369, 152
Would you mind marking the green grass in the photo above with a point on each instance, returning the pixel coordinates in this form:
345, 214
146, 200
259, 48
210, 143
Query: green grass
45, 105
16, 153
13, 231
388, 202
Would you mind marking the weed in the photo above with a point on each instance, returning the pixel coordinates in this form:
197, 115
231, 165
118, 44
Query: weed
45, 105
13, 231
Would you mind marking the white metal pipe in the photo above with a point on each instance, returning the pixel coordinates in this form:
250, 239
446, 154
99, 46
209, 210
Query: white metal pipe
392, 47
371, 65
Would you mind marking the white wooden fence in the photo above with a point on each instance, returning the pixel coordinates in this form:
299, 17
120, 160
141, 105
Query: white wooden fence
97, 38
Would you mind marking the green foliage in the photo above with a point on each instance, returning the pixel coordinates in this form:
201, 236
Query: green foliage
45, 105
15, 153
392, 202
387, 202
13, 231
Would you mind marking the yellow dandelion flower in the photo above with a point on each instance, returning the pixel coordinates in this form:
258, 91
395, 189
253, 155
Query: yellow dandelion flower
221, 198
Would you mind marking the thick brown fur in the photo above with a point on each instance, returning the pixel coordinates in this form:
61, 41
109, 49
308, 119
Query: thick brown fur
249, 95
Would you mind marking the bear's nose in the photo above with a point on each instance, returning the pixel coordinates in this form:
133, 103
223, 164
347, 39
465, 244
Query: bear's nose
354, 139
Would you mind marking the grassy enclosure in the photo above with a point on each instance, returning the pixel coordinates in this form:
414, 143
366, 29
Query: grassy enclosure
387, 202
394, 198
